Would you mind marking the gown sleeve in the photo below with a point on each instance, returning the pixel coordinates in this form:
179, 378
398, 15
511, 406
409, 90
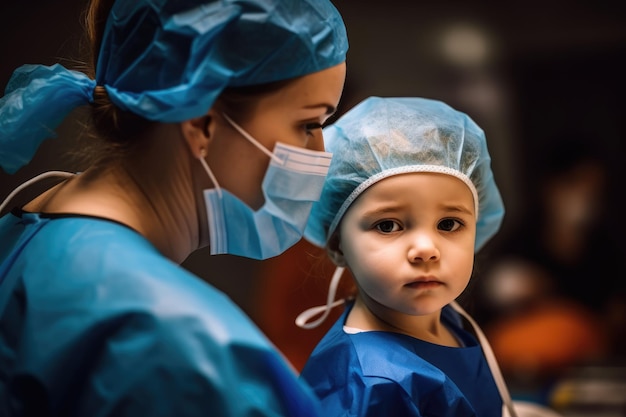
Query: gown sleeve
99, 324
147, 368
165, 372
383, 397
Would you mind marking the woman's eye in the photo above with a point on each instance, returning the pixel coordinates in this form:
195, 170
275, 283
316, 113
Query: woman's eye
312, 126
387, 226
449, 225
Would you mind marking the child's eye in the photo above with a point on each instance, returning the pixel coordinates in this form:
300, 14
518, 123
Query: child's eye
449, 225
387, 226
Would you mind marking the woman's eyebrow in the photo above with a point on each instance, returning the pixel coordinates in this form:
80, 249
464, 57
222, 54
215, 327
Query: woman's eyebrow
329, 109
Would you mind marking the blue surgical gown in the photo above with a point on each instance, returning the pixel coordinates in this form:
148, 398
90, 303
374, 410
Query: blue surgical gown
95, 322
377, 373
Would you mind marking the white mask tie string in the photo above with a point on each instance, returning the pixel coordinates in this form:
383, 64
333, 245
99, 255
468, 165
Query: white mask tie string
252, 140
305, 316
211, 175
33, 180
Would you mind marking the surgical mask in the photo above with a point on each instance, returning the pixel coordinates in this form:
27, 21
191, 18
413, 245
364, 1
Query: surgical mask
292, 183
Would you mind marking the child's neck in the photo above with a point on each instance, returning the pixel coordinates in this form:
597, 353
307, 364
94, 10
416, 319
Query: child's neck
427, 328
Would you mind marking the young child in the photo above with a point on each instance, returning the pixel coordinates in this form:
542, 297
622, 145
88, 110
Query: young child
409, 198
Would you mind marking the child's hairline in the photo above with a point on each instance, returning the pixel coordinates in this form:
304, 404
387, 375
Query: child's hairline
407, 169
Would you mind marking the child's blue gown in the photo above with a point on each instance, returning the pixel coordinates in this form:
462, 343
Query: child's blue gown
377, 373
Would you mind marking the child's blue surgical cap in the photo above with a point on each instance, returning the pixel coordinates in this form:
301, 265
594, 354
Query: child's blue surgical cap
381, 137
168, 60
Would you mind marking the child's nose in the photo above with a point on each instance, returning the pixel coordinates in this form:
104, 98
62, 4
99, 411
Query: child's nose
423, 247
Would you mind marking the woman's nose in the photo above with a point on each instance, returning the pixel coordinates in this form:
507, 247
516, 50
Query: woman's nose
423, 248
316, 143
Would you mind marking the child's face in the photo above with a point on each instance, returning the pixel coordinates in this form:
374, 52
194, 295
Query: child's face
409, 242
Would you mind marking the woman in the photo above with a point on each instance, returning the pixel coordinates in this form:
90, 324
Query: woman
212, 114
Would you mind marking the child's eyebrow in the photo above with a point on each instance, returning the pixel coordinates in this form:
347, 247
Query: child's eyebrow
458, 208
382, 210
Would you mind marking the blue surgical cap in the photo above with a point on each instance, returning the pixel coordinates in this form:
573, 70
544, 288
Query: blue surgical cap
381, 137
168, 61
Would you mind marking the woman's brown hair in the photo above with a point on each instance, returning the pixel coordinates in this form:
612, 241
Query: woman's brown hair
119, 128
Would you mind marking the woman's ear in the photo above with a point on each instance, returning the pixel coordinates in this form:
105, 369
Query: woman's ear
198, 133
333, 248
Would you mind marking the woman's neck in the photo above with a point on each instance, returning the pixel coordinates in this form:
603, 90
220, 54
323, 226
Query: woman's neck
150, 194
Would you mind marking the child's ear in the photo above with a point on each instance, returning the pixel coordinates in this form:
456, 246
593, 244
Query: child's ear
333, 248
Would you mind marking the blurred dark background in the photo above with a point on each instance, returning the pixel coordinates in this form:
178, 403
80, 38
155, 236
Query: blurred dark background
532, 74
527, 72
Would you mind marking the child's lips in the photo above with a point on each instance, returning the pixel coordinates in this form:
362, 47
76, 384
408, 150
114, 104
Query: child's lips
424, 283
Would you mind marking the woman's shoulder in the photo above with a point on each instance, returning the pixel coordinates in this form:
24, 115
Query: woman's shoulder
108, 270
